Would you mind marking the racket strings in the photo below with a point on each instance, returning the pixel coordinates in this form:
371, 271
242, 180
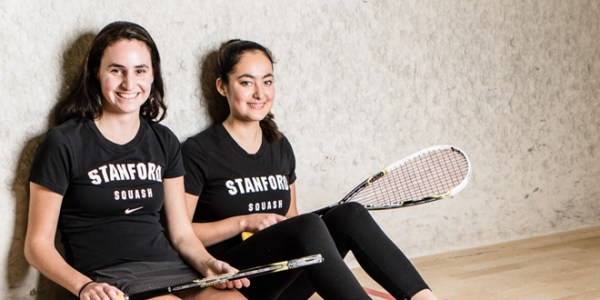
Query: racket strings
421, 178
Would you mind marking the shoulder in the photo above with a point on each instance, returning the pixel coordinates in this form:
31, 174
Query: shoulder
160, 129
162, 133
72, 125
284, 143
205, 138
281, 150
73, 129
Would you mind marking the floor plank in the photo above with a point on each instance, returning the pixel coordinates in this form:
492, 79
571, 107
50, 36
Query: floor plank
560, 266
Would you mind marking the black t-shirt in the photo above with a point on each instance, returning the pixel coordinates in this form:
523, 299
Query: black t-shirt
112, 194
231, 182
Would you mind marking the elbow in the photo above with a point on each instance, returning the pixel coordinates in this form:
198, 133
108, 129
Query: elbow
178, 241
31, 251
28, 252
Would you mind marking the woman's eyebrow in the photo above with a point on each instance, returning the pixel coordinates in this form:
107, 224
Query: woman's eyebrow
115, 65
252, 76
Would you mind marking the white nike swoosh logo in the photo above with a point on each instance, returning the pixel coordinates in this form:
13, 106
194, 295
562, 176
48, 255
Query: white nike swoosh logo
130, 210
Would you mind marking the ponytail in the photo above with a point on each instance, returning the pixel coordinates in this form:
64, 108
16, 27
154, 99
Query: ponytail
269, 128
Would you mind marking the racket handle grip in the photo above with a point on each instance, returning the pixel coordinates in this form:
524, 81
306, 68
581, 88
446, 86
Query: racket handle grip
246, 234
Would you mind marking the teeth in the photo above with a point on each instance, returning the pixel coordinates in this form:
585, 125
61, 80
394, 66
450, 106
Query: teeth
127, 96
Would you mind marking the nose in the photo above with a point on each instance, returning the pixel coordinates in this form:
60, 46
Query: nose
259, 92
128, 81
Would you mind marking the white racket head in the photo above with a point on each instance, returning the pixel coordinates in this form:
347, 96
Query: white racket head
431, 174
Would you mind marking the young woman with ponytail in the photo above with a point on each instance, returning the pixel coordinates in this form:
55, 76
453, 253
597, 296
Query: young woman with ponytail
240, 175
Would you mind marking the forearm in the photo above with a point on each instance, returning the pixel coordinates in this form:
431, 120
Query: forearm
40, 250
211, 233
193, 252
53, 266
183, 237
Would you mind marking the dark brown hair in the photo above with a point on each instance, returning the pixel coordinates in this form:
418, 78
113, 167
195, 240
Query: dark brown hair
229, 56
85, 101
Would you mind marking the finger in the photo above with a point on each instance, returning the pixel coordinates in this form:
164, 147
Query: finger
226, 268
103, 291
240, 283
114, 293
230, 285
234, 284
221, 286
245, 282
221, 267
266, 223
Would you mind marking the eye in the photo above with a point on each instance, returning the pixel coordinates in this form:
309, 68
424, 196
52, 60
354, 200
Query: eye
245, 83
269, 82
116, 71
141, 71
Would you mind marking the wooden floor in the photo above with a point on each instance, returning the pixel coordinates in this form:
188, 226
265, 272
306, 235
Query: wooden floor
559, 266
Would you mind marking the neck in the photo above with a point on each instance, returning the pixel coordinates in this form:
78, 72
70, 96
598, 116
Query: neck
247, 135
118, 130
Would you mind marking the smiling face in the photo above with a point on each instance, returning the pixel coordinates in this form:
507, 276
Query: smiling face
250, 91
125, 76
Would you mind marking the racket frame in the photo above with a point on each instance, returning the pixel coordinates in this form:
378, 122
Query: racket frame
223, 278
408, 202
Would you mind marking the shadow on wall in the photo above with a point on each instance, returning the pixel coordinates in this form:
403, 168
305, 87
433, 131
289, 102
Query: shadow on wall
18, 268
216, 105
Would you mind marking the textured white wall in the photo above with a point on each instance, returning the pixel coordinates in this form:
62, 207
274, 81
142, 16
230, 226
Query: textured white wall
360, 85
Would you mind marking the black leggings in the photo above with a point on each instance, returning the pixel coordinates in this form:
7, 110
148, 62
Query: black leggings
348, 227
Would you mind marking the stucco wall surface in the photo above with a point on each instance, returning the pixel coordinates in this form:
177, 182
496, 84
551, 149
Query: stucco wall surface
360, 84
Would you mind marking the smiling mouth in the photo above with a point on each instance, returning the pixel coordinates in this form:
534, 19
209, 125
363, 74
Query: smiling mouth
127, 95
256, 105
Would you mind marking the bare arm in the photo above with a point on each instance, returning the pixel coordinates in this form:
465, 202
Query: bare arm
40, 251
293, 211
183, 237
211, 233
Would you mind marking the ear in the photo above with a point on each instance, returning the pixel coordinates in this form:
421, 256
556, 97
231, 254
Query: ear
221, 87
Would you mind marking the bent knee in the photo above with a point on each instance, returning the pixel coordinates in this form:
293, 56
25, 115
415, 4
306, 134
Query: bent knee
348, 210
307, 226
346, 216
308, 222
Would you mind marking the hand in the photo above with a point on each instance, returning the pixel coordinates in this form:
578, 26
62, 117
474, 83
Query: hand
100, 291
258, 222
217, 267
